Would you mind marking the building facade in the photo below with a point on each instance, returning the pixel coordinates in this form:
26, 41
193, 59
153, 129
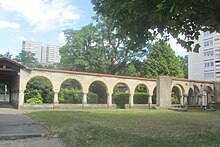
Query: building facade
45, 54
34, 47
205, 65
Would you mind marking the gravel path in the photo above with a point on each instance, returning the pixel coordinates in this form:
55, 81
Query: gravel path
31, 142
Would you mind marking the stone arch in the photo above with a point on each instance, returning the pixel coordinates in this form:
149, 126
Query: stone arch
154, 96
122, 83
100, 89
121, 94
23, 86
196, 94
141, 94
141, 84
79, 80
70, 91
208, 95
35, 92
176, 94
190, 98
97, 79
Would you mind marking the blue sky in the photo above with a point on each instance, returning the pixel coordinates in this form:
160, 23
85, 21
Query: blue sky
44, 21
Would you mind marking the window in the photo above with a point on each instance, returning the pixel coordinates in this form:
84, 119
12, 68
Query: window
209, 64
207, 33
209, 53
209, 75
208, 42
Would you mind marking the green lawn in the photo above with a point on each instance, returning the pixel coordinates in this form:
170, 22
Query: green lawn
133, 128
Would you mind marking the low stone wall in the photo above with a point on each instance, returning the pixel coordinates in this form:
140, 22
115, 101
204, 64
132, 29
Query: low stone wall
37, 106
68, 106
216, 105
140, 106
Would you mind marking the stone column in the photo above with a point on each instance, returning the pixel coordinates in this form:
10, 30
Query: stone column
84, 100
181, 100
131, 100
150, 100
21, 98
109, 99
185, 101
55, 99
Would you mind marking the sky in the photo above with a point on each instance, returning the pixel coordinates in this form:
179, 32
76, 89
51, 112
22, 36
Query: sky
45, 21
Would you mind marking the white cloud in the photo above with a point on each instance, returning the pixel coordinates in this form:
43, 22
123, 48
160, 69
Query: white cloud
43, 14
5, 24
178, 49
61, 38
22, 38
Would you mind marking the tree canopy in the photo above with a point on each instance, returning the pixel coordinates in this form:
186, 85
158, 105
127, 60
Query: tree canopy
27, 58
98, 48
141, 20
161, 61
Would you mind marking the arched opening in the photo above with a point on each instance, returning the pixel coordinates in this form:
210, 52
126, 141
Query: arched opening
141, 94
190, 98
4, 94
208, 95
38, 90
97, 93
121, 95
70, 92
196, 93
176, 95
154, 96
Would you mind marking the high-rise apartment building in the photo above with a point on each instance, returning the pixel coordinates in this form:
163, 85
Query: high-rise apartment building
45, 54
205, 65
34, 47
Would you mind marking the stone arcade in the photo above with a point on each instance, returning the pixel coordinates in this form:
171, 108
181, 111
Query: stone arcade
16, 77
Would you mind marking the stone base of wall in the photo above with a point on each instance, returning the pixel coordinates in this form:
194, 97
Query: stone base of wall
68, 106
215, 105
140, 106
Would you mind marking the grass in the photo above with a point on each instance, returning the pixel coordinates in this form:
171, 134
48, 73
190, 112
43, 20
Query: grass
133, 128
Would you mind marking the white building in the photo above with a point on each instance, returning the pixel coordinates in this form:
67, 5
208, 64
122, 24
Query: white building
205, 65
52, 54
34, 47
45, 54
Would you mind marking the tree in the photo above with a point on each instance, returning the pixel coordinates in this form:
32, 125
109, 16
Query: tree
27, 58
8, 54
161, 61
184, 65
141, 20
98, 48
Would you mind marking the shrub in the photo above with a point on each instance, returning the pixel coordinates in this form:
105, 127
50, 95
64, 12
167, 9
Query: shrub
34, 101
92, 98
72, 96
33, 94
141, 98
175, 99
120, 99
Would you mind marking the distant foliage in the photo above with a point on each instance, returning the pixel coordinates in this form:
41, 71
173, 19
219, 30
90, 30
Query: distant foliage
74, 96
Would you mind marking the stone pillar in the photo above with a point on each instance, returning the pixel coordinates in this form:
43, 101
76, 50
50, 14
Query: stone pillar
21, 98
55, 99
109, 99
182, 100
84, 100
131, 100
185, 101
150, 100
